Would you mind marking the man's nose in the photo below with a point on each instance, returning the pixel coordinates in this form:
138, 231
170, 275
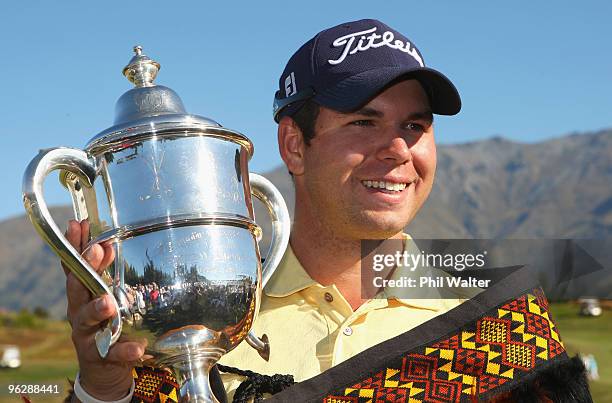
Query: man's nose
395, 150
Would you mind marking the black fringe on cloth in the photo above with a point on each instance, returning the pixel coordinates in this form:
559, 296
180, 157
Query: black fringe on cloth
565, 382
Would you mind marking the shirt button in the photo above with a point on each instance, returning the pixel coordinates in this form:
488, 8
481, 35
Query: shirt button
328, 297
347, 331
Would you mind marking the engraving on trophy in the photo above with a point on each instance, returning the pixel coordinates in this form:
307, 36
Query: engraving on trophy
185, 161
179, 245
149, 101
155, 163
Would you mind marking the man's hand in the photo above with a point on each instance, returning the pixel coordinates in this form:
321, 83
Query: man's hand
109, 378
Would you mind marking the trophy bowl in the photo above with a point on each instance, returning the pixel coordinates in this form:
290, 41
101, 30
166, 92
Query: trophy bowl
171, 194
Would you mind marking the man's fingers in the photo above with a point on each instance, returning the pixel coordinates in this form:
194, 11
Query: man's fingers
122, 352
73, 235
84, 233
94, 256
99, 257
127, 351
90, 315
76, 293
109, 255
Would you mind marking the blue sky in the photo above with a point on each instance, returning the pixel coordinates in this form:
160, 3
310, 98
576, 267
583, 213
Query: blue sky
526, 70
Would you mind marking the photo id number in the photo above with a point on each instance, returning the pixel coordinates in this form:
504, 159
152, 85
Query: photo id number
33, 389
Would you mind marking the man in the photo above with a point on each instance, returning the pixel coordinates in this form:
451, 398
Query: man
355, 129
362, 155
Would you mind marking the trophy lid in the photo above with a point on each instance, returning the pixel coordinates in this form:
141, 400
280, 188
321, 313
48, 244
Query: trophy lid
148, 108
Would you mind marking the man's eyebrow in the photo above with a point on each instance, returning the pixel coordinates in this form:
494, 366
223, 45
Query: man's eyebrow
370, 112
425, 115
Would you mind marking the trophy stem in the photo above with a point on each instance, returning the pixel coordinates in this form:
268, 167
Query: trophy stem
193, 377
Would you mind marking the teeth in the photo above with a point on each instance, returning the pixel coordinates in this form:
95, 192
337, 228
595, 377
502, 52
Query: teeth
391, 186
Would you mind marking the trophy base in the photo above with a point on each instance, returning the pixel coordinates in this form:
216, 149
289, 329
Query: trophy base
192, 374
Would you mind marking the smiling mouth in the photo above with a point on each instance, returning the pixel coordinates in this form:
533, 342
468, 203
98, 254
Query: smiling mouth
384, 185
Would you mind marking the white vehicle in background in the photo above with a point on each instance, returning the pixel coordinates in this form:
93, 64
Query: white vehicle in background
590, 306
10, 356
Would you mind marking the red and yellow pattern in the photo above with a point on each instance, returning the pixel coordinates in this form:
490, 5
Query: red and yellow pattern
500, 347
154, 385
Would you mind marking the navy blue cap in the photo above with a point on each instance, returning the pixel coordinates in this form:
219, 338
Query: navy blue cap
344, 67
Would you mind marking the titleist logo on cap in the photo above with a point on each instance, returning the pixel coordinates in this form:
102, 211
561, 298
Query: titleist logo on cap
367, 42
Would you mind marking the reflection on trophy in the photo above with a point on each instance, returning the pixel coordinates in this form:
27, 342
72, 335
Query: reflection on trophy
171, 192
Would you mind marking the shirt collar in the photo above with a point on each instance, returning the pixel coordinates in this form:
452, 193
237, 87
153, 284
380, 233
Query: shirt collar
289, 277
422, 303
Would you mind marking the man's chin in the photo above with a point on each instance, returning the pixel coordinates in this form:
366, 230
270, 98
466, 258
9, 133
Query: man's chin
382, 226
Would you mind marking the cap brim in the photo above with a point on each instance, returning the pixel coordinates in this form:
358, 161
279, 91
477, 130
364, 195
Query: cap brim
356, 91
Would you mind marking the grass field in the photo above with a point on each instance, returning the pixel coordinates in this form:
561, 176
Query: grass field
588, 335
48, 356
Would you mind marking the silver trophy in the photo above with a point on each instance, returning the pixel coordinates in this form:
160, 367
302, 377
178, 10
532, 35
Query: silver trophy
171, 192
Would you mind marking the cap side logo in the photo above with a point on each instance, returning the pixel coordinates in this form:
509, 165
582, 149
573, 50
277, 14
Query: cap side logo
290, 87
367, 42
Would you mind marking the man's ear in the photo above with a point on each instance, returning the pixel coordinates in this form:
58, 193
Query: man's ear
291, 145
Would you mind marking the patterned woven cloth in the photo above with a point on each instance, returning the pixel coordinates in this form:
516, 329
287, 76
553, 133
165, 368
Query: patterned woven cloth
502, 341
498, 348
154, 385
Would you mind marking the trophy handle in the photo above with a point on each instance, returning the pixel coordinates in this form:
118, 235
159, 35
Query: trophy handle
269, 195
78, 163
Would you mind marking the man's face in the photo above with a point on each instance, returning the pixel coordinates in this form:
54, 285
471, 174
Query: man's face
367, 173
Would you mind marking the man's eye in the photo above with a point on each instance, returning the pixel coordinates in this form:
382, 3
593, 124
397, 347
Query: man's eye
362, 122
415, 127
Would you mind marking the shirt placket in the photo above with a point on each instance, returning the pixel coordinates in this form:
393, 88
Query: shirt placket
348, 333
333, 310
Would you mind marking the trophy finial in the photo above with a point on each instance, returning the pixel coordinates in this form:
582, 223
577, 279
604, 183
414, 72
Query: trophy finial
141, 70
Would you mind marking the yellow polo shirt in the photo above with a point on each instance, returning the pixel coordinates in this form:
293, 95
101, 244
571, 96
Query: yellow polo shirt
312, 327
